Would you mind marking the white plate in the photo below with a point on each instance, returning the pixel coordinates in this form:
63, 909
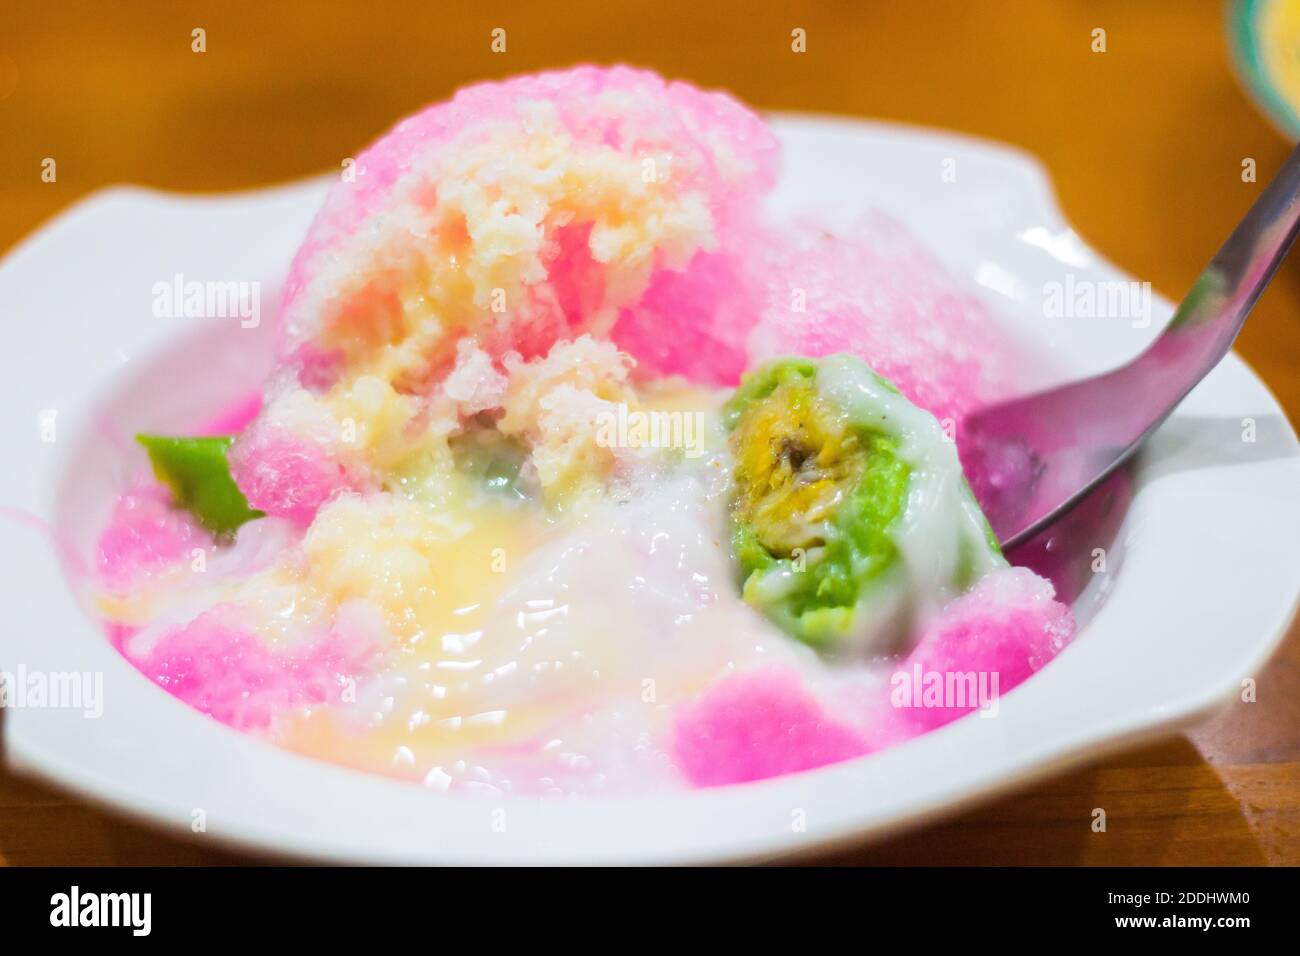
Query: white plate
1202, 581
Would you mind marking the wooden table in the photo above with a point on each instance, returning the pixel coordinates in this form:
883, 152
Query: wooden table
1145, 143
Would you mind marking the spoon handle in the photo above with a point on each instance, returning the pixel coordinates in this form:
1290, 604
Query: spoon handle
1038, 455
1207, 321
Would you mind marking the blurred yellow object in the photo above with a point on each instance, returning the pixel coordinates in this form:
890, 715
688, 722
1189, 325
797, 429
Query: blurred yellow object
1266, 44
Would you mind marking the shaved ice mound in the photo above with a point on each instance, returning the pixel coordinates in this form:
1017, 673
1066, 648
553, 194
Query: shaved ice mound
228, 673
1008, 625
875, 292
284, 475
522, 212
145, 535
694, 323
752, 726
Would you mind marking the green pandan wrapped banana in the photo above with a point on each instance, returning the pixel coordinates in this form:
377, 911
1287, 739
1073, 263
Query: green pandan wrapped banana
849, 510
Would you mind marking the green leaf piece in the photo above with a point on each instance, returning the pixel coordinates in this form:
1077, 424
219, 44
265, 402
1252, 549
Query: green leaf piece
198, 474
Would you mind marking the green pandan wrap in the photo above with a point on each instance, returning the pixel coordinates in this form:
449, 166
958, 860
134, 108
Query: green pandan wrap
849, 511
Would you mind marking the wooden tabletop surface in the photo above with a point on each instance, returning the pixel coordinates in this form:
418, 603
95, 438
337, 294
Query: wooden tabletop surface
1145, 143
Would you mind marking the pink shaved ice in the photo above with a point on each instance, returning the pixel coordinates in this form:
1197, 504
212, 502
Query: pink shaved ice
875, 292
719, 150
763, 724
1008, 625
145, 534
316, 369
232, 676
694, 323
285, 475
755, 725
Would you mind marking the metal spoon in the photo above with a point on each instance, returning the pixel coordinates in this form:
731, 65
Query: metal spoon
1033, 458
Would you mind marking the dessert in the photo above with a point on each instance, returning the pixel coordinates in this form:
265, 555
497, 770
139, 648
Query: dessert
580, 473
